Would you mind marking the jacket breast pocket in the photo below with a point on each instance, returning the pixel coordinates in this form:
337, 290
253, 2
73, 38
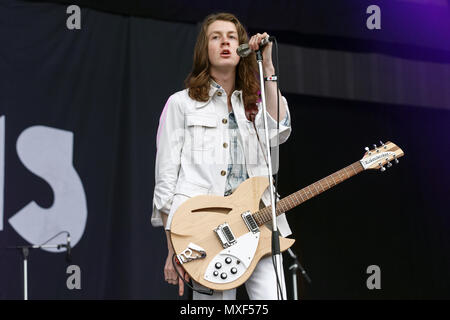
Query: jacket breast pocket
201, 135
201, 128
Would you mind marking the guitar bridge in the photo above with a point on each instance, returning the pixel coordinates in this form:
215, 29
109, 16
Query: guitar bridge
225, 235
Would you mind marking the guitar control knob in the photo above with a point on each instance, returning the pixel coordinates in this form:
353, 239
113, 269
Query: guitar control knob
228, 260
218, 265
223, 275
215, 273
233, 270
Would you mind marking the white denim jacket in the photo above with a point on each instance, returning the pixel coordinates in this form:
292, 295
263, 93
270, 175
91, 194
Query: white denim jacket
192, 156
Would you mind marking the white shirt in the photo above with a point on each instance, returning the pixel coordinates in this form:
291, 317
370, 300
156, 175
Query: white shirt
192, 156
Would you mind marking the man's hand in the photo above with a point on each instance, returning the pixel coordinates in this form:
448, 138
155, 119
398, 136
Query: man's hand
254, 42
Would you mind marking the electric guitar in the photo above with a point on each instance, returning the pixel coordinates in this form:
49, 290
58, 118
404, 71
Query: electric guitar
219, 240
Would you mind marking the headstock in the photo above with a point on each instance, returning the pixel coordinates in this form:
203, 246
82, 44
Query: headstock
380, 156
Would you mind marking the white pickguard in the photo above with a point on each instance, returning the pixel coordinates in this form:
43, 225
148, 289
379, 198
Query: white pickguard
240, 256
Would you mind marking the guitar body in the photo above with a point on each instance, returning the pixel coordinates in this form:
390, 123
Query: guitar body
207, 259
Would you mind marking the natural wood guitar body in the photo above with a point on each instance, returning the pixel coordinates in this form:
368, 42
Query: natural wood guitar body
196, 219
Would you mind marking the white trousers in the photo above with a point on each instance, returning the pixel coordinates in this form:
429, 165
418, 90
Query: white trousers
262, 285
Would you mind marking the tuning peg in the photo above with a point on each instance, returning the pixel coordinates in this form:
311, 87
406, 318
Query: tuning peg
382, 169
396, 160
389, 164
376, 148
367, 150
383, 145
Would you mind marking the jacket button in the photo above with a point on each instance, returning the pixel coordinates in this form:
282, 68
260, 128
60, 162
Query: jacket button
224, 120
219, 93
223, 172
225, 144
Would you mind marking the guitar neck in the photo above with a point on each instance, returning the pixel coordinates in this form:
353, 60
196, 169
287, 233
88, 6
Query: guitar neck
265, 215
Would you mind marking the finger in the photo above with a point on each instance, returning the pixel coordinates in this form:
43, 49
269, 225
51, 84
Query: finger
173, 278
181, 287
258, 40
251, 43
255, 41
167, 277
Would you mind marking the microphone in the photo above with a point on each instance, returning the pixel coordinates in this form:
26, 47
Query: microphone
68, 249
244, 50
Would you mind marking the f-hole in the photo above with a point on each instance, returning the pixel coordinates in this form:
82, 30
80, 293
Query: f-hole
213, 209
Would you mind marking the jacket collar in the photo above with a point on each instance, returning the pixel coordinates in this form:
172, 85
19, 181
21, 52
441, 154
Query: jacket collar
214, 87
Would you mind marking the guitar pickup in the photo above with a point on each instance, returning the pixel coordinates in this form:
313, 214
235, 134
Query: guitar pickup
250, 222
225, 235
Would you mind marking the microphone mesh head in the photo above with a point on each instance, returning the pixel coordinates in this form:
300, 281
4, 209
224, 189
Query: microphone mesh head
243, 50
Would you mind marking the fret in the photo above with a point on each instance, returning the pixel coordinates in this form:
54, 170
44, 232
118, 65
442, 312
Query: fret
327, 185
280, 206
314, 185
285, 206
293, 202
288, 208
256, 217
333, 179
303, 200
312, 194
348, 176
323, 189
353, 168
305, 194
326, 179
262, 218
295, 195
267, 214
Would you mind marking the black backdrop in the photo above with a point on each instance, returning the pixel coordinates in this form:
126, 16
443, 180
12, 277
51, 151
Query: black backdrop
107, 84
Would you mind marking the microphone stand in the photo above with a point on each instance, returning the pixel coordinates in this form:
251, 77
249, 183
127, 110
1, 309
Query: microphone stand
293, 268
275, 234
25, 253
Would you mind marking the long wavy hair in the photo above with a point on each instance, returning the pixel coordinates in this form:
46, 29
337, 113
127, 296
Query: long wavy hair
198, 80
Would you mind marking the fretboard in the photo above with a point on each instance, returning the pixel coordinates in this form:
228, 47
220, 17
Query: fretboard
265, 215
